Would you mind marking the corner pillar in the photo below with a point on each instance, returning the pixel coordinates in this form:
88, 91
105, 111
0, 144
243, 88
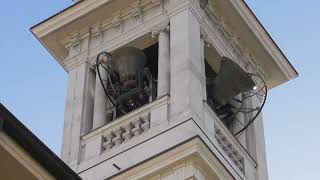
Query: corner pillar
77, 112
186, 78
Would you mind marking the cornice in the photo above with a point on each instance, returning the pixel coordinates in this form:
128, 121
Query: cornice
218, 35
230, 45
66, 16
263, 36
115, 24
191, 160
214, 31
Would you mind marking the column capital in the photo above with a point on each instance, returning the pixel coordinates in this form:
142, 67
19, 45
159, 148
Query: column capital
204, 38
161, 27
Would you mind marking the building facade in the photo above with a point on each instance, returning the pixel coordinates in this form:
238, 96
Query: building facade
176, 135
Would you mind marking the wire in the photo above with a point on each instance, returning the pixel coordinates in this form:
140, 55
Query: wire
108, 55
255, 117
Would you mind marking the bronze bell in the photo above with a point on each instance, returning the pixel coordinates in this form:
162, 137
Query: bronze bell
231, 81
129, 81
126, 62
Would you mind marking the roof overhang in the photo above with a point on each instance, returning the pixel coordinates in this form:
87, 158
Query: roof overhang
24, 139
250, 33
241, 23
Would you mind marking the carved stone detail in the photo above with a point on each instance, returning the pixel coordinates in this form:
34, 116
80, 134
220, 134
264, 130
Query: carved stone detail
117, 22
137, 127
118, 139
137, 11
163, 26
232, 44
122, 134
127, 135
203, 4
107, 142
73, 45
96, 32
204, 36
159, 2
229, 149
145, 123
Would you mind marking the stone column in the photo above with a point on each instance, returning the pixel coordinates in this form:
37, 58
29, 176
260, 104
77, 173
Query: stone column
100, 102
159, 115
163, 63
203, 66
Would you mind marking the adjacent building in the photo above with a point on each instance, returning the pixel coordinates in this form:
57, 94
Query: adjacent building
24, 156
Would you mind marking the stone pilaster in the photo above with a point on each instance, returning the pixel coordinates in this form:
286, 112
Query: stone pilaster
203, 68
77, 112
186, 99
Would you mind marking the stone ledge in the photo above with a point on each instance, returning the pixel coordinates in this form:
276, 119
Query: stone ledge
123, 120
229, 144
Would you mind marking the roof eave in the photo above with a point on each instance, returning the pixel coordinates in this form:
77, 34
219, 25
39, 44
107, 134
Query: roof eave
293, 73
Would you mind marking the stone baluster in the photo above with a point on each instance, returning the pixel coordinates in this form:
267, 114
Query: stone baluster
137, 127
127, 135
107, 142
146, 123
118, 139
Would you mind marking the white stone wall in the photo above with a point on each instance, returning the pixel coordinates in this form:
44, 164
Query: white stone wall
182, 29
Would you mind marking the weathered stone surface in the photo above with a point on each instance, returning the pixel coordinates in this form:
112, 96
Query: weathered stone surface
96, 149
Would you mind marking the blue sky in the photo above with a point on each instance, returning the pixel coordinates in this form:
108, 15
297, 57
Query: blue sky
33, 85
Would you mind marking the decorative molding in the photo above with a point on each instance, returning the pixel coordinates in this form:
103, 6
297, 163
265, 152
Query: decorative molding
265, 39
205, 38
160, 3
96, 32
204, 4
73, 45
230, 43
75, 39
228, 141
124, 133
116, 27
61, 20
163, 26
113, 27
229, 149
125, 119
191, 160
137, 11
117, 22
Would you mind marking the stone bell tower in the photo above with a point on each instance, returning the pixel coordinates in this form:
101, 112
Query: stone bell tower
176, 134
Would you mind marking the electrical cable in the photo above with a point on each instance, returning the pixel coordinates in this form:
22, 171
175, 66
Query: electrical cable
108, 55
255, 117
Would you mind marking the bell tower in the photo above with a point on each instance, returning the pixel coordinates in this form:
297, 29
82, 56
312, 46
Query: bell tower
164, 89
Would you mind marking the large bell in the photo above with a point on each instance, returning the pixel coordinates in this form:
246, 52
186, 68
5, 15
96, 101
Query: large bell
231, 81
127, 61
